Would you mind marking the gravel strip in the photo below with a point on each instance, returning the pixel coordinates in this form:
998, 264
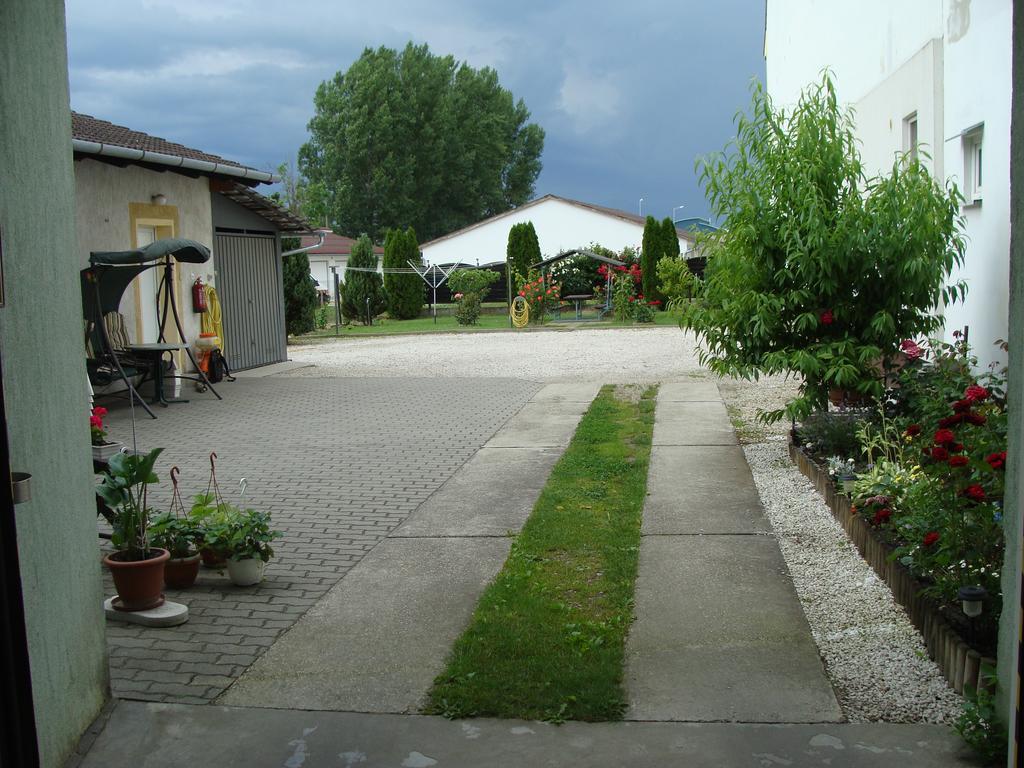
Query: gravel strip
609, 355
874, 656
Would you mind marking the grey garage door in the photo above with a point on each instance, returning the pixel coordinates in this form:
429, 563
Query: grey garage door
252, 300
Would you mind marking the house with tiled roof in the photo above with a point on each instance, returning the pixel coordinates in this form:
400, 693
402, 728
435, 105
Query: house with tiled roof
133, 188
561, 224
330, 257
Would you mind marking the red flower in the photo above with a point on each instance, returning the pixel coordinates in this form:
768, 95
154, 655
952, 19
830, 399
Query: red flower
962, 405
944, 436
997, 460
911, 349
976, 393
973, 492
881, 516
939, 453
958, 461
956, 447
95, 421
99, 410
977, 419
654, 303
951, 421
930, 538
913, 430
826, 317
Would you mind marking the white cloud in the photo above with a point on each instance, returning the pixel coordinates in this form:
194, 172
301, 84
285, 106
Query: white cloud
591, 101
199, 63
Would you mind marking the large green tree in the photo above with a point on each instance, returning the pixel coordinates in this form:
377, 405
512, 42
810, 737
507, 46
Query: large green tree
523, 249
408, 138
404, 290
819, 270
362, 295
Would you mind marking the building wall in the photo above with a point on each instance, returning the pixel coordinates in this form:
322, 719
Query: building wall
978, 90
560, 226
949, 60
45, 379
104, 194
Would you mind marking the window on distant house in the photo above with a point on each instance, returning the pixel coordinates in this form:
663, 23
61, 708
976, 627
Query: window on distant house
973, 166
910, 135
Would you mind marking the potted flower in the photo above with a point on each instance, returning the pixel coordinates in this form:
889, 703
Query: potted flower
246, 538
211, 519
102, 449
136, 566
180, 537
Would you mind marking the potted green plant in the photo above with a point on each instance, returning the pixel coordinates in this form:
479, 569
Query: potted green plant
246, 538
136, 566
102, 449
179, 536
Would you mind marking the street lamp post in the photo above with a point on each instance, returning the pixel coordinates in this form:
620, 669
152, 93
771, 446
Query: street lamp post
677, 208
641, 206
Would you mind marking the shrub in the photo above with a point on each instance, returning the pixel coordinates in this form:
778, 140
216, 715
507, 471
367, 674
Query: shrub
653, 248
362, 290
323, 315
540, 292
523, 250
675, 282
578, 275
300, 297
817, 269
468, 287
404, 291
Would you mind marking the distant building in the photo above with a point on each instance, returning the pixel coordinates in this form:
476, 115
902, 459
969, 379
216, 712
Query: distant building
695, 225
561, 224
333, 253
921, 75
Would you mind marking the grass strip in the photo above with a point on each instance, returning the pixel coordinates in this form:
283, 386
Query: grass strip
547, 639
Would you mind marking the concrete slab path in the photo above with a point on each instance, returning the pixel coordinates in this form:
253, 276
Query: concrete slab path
379, 637
720, 634
169, 735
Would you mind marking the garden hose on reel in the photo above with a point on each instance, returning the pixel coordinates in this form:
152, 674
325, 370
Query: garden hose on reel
520, 312
211, 320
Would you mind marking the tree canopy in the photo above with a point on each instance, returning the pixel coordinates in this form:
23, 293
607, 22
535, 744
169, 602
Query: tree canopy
818, 270
414, 139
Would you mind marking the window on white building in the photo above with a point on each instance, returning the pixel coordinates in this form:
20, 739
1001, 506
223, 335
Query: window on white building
973, 167
910, 140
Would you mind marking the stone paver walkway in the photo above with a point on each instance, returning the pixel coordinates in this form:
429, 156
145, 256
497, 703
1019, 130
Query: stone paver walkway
719, 634
169, 736
378, 639
339, 463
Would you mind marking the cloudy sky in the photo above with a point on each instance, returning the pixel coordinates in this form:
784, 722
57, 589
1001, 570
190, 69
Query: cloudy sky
629, 93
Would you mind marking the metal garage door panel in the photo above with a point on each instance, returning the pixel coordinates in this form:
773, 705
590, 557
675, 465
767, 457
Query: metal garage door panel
249, 285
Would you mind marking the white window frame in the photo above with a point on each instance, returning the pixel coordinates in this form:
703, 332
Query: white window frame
911, 135
973, 145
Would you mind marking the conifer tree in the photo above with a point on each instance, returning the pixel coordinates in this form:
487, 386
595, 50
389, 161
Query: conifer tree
360, 286
404, 291
652, 248
523, 248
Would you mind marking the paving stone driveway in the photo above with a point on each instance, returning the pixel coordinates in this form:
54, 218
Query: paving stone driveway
339, 462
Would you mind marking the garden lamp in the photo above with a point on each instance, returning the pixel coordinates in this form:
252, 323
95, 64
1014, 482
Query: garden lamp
971, 600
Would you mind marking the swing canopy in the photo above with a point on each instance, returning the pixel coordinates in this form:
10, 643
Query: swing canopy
118, 268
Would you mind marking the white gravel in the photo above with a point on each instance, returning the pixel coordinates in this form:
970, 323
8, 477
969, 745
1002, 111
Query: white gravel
611, 356
874, 656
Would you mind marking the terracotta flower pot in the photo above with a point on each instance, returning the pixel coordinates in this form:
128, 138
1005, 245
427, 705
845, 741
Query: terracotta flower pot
212, 558
181, 572
138, 582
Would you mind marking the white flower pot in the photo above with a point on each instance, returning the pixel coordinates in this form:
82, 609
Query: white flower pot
245, 573
105, 451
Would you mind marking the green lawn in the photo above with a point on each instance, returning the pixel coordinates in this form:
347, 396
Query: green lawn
546, 641
446, 324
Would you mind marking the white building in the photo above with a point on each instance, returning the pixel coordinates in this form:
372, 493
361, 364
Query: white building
933, 73
561, 224
331, 256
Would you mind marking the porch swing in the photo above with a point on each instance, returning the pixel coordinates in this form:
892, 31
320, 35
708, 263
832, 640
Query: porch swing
111, 357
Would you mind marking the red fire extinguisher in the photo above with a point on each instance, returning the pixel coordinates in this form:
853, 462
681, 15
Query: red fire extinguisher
198, 296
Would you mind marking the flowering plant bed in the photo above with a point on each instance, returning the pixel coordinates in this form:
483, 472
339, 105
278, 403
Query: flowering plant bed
962, 665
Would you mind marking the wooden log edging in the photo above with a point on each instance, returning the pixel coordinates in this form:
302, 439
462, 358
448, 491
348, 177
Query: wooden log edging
959, 664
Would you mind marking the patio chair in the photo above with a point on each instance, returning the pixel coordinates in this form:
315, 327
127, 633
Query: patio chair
107, 366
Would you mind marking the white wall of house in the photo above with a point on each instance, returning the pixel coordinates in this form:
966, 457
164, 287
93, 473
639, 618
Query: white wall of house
320, 269
103, 223
948, 61
560, 226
